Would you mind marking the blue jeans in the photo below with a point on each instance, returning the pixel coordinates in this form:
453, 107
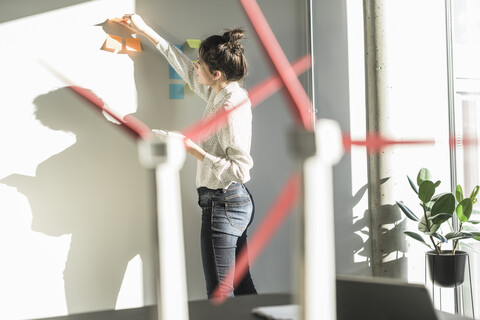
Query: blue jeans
226, 215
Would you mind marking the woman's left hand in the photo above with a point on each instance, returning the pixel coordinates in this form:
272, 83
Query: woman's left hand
191, 147
194, 149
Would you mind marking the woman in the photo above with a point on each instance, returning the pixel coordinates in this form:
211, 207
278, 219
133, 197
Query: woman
224, 160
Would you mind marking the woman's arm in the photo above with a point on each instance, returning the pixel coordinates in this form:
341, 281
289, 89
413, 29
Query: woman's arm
190, 146
136, 24
177, 59
195, 150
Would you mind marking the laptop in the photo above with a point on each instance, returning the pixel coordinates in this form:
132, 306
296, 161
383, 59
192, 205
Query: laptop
368, 298
385, 299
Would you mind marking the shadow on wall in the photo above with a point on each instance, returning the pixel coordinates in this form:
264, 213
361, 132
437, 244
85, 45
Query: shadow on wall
157, 110
96, 191
394, 246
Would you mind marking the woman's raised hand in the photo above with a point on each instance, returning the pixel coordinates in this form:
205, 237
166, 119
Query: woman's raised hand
135, 23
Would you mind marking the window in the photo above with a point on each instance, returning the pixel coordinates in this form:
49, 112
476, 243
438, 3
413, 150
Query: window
466, 111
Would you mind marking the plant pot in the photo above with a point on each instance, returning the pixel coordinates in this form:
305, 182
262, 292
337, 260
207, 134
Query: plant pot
447, 270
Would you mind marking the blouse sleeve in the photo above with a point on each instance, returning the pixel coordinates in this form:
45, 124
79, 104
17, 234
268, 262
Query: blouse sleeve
184, 67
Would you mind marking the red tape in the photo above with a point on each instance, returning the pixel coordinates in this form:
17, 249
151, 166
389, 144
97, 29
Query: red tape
300, 102
375, 143
204, 128
133, 126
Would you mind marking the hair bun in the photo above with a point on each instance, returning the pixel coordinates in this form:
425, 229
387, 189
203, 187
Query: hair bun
223, 52
233, 35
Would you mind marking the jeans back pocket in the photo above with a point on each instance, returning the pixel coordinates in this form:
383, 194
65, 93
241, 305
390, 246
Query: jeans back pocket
232, 215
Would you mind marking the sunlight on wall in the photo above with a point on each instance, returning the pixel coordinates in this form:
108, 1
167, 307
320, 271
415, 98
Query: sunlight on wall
419, 92
32, 263
68, 40
131, 292
415, 96
31, 272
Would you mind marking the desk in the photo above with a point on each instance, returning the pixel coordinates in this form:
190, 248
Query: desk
233, 309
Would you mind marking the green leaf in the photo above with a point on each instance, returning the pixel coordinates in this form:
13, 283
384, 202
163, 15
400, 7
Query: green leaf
440, 218
437, 196
444, 204
459, 193
468, 228
417, 237
437, 236
407, 211
464, 209
474, 193
437, 183
422, 225
459, 235
473, 221
426, 191
423, 175
428, 205
414, 187
476, 235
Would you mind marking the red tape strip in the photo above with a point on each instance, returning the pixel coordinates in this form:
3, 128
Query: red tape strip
205, 128
300, 103
133, 126
375, 143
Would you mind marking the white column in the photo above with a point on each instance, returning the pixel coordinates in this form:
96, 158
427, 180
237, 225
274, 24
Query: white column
167, 155
319, 151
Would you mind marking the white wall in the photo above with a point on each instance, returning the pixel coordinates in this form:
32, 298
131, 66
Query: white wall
72, 194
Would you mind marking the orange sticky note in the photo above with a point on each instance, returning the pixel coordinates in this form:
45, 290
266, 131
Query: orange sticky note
118, 20
113, 43
133, 44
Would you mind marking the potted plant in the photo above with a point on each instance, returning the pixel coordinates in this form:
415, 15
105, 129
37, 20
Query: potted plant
447, 266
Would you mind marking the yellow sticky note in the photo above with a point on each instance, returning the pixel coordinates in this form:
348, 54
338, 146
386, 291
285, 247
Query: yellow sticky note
113, 43
133, 44
194, 43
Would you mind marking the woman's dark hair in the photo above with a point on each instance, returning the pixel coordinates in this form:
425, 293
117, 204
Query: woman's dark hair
225, 53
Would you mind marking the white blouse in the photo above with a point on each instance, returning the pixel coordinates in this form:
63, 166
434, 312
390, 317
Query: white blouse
228, 157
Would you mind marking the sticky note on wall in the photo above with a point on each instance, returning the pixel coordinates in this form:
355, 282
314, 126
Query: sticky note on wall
133, 44
113, 43
176, 91
118, 20
194, 43
172, 74
116, 44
